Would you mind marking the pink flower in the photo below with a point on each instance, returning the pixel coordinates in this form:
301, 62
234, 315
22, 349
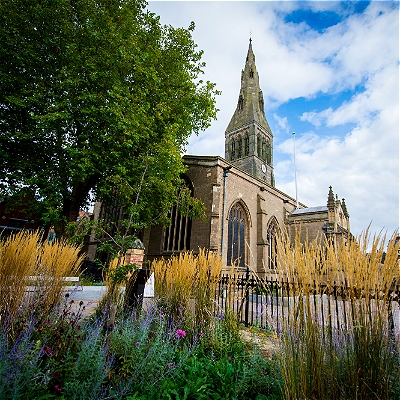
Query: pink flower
180, 333
47, 350
137, 343
58, 388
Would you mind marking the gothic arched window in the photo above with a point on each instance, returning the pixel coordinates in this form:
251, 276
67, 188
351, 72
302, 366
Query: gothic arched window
233, 150
240, 148
269, 154
259, 146
236, 236
246, 145
177, 234
272, 233
240, 103
251, 74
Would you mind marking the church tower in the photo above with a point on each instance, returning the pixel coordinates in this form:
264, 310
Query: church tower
248, 137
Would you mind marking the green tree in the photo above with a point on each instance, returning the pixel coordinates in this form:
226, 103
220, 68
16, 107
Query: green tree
96, 96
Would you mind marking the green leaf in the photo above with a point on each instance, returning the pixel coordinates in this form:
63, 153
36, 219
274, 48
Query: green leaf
97, 102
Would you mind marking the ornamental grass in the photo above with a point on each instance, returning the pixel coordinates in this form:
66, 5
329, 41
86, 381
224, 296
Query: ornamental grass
32, 275
353, 352
185, 286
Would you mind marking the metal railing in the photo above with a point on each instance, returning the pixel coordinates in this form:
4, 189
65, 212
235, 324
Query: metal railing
267, 302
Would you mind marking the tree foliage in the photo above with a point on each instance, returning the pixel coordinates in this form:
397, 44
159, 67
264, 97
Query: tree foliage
96, 97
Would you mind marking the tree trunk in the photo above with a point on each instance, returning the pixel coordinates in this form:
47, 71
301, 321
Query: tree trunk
73, 202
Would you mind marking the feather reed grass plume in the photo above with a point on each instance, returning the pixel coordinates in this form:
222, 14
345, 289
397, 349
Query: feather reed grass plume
337, 338
26, 261
185, 285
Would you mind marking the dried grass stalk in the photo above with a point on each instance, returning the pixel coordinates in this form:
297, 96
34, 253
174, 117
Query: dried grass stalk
356, 358
23, 256
185, 284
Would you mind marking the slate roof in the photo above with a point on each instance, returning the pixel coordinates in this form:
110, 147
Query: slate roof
309, 210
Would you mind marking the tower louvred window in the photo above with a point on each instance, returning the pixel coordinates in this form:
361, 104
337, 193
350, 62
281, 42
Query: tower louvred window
240, 148
246, 145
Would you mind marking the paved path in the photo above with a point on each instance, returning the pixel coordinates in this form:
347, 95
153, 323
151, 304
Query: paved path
90, 295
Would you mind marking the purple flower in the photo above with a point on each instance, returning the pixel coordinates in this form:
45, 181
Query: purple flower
137, 343
180, 333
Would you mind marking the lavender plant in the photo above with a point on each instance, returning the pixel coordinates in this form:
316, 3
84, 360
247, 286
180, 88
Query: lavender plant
19, 364
90, 368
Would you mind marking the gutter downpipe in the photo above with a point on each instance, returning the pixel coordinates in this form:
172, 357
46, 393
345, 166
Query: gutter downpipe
226, 173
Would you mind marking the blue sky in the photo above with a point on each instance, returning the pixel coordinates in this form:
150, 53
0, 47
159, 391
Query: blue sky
329, 71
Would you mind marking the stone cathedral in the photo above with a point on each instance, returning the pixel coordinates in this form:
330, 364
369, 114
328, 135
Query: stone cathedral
245, 211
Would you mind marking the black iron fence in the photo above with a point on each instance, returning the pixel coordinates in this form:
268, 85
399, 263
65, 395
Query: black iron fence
269, 302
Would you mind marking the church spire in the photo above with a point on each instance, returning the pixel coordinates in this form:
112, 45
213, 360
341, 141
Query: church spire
250, 106
248, 137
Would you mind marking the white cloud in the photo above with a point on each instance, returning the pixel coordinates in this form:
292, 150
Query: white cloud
282, 122
295, 61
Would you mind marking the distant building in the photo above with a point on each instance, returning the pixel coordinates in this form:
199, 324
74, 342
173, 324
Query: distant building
15, 217
245, 211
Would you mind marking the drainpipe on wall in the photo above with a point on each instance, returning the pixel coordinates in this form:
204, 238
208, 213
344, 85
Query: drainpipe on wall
226, 173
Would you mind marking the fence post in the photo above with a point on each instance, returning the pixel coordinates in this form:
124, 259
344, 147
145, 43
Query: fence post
246, 309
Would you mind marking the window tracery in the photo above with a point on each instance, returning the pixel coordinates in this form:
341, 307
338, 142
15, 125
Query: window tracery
236, 236
177, 234
272, 235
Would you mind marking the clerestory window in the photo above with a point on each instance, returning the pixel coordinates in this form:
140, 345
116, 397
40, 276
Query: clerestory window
177, 234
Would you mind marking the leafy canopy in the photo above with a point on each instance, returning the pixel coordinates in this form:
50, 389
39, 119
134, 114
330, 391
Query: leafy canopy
96, 97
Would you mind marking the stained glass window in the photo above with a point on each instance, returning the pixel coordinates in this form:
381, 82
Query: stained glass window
236, 236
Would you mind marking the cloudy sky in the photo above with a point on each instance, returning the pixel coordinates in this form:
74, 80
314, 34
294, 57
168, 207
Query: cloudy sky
329, 71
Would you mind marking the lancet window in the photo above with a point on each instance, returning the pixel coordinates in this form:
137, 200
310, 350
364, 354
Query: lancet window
272, 232
240, 103
236, 236
240, 148
246, 145
233, 149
